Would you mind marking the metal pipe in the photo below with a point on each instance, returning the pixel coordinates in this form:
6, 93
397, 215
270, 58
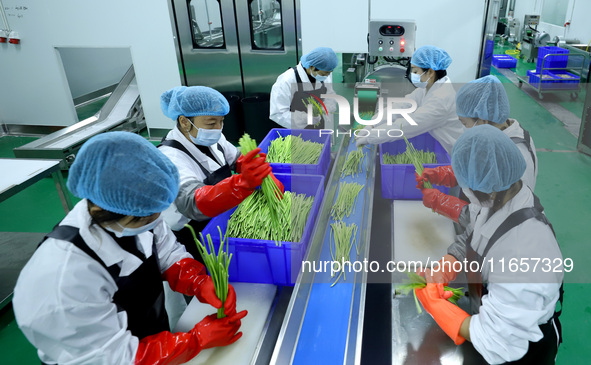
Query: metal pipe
4, 19
208, 19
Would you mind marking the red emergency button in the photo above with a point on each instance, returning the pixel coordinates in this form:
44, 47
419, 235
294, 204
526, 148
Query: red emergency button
402, 50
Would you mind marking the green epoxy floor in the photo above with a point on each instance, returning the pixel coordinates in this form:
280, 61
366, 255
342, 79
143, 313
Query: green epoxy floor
563, 187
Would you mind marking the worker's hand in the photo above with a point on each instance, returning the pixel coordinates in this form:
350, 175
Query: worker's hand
447, 315
253, 171
214, 332
299, 119
444, 273
446, 205
441, 175
249, 156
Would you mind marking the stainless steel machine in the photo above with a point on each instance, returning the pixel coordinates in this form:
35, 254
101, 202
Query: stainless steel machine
235, 46
530, 38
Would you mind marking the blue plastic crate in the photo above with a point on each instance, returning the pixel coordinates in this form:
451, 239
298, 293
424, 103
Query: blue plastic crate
565, 80
504, 61
398, 181
262, 261
320, 168
551, 61
549, 80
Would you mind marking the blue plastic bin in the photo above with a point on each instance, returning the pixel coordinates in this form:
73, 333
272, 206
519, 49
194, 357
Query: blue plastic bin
398, 181
504, 61
552, 61
262, 261
565, 80
549, 80
320, 168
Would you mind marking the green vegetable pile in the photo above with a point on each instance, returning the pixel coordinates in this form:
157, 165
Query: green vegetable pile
342, 238
354, 163
217, 265
252, 218
345, 202
293, 149
418, 282
404, 158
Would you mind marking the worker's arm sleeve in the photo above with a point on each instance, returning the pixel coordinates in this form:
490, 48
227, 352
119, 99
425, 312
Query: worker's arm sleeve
509, 318
169, 250
280, 104
185, 200
458, 248
427, 117
464, 218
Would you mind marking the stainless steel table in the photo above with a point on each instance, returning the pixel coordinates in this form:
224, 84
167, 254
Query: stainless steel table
20, 173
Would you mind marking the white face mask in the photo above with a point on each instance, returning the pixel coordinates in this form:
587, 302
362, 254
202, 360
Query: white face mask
126, 231
416, 80
206, 137
474, 200
320, 78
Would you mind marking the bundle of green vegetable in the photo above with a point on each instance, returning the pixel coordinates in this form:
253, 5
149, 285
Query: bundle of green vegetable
252, 219
342, 238
354, 163
418, 282
345, 201
316, 108
217, 265
272, 193
405, 158
293, 149
414, 157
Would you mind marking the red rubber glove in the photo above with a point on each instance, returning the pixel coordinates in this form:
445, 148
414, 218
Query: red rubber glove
447, 315
166, 348
440, 175
446, 205
249, 156
444, 274
188, 276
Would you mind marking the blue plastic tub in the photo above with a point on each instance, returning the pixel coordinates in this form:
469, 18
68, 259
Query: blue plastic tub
320, 168
262, 261
549, 80
557, 61
565, 80
398, 181
504, 61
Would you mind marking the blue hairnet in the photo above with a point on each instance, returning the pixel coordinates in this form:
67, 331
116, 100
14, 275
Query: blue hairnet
323, 58
484, 98
124, 173
486, 159
193, 101
431, 57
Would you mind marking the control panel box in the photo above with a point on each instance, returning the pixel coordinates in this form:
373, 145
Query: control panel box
392, 38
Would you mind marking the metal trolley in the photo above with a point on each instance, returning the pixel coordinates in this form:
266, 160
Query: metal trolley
574, 65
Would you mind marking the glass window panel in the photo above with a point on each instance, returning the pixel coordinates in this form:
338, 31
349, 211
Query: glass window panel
206, 24
554, 12
266, 28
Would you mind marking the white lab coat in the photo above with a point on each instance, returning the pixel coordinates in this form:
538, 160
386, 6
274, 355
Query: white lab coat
191, 176
282, 93
517, 302
436, 114
531, 170
63, 299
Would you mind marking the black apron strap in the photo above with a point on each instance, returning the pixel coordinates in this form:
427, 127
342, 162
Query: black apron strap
527, 141
179, 146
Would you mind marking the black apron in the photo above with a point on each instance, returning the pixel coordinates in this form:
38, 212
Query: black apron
140, 295
300, 99
543, 351
184, 235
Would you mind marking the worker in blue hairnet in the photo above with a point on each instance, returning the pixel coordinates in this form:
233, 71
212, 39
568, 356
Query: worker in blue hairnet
205, 161
436, 104
302, 85
513, 315
92, 292
482, 101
